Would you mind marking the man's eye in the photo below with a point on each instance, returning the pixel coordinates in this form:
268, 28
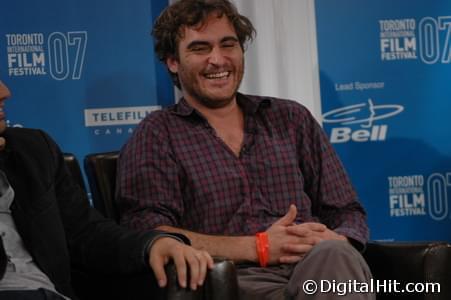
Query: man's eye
229, 45
199, 49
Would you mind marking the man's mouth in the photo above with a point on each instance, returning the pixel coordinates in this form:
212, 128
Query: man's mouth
219, 75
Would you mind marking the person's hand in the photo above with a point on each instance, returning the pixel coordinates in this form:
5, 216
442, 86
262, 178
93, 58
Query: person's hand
185, 258
289, 242
279, 238
308, 233
315, 232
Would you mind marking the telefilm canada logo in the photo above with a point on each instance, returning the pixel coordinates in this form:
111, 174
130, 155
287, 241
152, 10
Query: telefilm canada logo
419, 195
116, 120
427, 39
60, 55
366, 115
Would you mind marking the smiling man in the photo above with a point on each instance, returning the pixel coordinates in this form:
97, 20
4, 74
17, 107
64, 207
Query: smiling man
250, 178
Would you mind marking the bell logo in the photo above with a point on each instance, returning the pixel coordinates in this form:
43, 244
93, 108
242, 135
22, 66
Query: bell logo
364, 114
345, 134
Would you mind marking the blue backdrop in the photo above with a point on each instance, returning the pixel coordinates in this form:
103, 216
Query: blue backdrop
84, 71
384, 74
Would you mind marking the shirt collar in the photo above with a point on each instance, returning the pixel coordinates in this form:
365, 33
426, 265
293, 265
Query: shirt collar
249, 104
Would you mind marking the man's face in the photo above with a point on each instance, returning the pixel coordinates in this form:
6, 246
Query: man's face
210, 63
4, 93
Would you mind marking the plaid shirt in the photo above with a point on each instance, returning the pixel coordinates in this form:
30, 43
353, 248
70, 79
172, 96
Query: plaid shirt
176, 171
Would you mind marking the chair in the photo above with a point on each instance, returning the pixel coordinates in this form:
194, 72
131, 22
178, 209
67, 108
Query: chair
416, 262
411, 262
221, 282
74, 169
100, 169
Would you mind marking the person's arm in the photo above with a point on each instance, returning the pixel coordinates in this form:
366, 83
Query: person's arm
149, 180
236, 248
334, 200
243, 248
100, 244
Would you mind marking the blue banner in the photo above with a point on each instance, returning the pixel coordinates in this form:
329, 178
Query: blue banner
384, 75
84, 71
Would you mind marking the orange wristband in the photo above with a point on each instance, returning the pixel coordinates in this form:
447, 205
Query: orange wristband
262, 244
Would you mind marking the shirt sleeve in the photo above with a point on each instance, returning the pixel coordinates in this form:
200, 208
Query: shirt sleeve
334, 200
149, 189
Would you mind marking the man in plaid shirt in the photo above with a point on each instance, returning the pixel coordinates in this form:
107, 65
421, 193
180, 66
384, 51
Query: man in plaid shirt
250, 178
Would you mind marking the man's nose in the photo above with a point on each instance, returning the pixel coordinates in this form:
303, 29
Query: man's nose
216, 56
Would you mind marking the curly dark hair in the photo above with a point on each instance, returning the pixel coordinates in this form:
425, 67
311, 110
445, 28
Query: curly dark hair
167, 28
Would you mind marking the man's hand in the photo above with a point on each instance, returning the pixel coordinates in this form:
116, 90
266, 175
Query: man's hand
185, 258
289, 242
312, 231
279, 237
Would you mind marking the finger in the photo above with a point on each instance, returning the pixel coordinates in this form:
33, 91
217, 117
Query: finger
290, 259
180, 266
194, 266
297, 249
289, 217
315, 226
157, 265
305, 236
299, 230
203, 263
332, 235
342, 238
307, 229
210, 261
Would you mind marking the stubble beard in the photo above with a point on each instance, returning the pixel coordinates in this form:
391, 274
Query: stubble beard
197, 95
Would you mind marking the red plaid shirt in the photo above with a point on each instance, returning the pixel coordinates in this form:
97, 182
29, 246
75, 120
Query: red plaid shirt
176, 171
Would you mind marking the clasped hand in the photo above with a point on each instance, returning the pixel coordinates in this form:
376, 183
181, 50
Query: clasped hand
289, 242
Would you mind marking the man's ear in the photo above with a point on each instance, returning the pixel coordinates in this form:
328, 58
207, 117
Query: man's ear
173, 64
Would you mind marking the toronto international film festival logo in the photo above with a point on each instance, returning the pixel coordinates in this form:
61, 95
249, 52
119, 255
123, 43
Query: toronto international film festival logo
406, 39
61, 55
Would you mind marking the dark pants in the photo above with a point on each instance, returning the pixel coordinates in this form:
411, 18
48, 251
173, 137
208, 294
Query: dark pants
40, 294
331, 261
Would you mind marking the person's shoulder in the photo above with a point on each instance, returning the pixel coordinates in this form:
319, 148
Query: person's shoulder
30, 137
156, 124
158, 117
30, 142
19, 134
276, 105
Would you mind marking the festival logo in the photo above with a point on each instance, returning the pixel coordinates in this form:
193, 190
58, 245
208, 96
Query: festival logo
415, 195
408, 39
60, 55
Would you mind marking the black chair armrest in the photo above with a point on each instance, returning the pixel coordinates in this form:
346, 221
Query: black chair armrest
221, 283
416, 262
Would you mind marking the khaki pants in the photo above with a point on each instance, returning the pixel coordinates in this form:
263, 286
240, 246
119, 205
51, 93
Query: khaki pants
325, 266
